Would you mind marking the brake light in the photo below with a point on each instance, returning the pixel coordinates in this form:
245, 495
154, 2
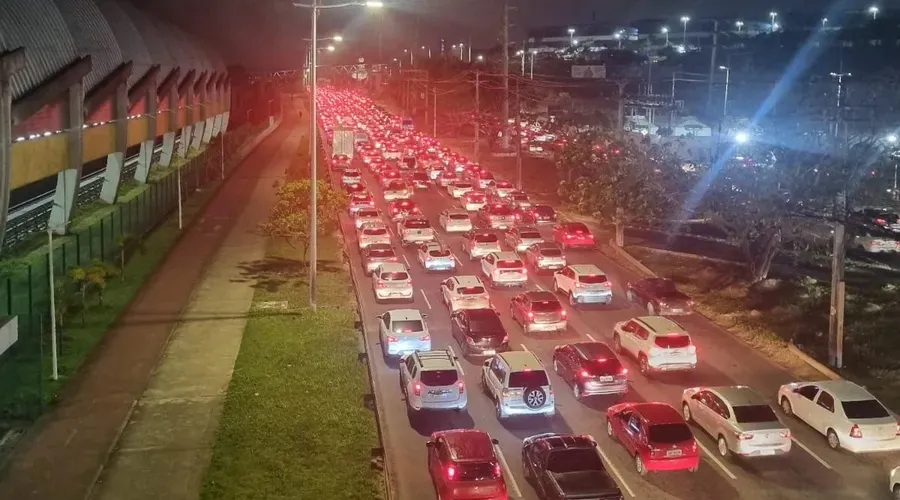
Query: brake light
898, 428
505, 339
694, 446
786, 434
417, 389
497, 471
530, 315
380, 284
391, 338
451, 472
393, 259
743, 436
624, 371
880, 221
569, 236
584, 374
425, 337
562, 313
856, 432
462, 387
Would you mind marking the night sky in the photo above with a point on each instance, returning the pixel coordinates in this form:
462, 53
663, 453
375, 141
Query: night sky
268, 34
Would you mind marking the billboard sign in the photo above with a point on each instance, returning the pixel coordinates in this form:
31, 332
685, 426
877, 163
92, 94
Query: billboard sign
588, 72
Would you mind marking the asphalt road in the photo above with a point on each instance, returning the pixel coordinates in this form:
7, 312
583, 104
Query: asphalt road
810, 470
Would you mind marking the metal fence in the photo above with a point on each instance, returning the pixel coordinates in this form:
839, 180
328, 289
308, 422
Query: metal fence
25, 292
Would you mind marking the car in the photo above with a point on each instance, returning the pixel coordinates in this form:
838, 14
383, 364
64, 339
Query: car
374, 255
591, 369
479, 331
365, 216
432, 380
518, 384
350, 189
654, 435
895, 483
504, 269
542, 214
396, 190
500, 189
434, 170
659, 296
400, 209
435, 257
538, 311
446, 178
414, 229
403, 331
392, 152
520, 238
369, 155
376, 164
496, 216
738, 419
482, 178
472, 201
373, 232
387, 176
573, 235
584, 284
455, 221
518, 199
463, 465
848, 415
545, 257
479, 243
564, 466
351, 176
391, 281
359, 201
458, 188
464, 292
420, 180
340, 162
657, 343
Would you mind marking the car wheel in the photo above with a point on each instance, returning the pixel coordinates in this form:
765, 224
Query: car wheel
897, 492
556, 366
629, 295
609, 430
644, 365
650, 309
576, 391
686, 412
617, 343
572, 301
722, 446
484, 386
833, 441
639, 466
786, 406
556, 287
499, 408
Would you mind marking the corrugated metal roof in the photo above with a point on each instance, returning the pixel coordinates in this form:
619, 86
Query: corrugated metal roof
175, 44
39, 27
92, 35
129, 38
153, 38
198, 58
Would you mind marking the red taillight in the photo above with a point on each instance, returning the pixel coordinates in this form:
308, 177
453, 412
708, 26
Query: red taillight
856, 432
786, 434
693, 447
417, 389
569, 236
451, 472
425, 337
898, 428
497, 471
880, 221
380, 284
562, 313
743, 436
530, 315
624, 371
391, 339
584, 374
505, 339
393, 259
462, 387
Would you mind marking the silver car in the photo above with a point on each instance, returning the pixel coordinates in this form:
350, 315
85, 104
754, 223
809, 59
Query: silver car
520, 238
545, 256
366, 216
455, 221
373, 232
403, 331
433, 380
391, 281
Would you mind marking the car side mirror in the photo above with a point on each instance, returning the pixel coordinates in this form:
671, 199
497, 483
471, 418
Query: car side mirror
486, 364
429, 444
495, 441
380, 316
424, 316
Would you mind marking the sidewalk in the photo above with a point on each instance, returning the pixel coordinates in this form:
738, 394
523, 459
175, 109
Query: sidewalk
64, 457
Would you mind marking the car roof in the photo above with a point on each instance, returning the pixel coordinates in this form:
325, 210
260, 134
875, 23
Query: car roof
587, 269
521, 360
508, 256
845, 390
657, 413
468, 444
405, 314
379, 246
582, 347
556, 442
467, 280
738, 395
546, 245
661, 324
540, 296
481, 312
436, 360
393, 267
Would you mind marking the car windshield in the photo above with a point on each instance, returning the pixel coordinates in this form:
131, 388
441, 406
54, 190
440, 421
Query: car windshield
592, 279
551, 252
486, 175
367, 213
529, 235
573, 460
546, 306
544, 210
867, 408
471, 290
475, 471
408, 326
434, 378
509, 264
395, 276
754, 414
439, 253
675, 341
416, 224
500, 210
664, 287
397, 186
459, 216
475, 197
351, 173
577, 227
519, 196
381, 252
463, 185
503, 185
529, 378
669, 433
486, 238
378, 231
420, 176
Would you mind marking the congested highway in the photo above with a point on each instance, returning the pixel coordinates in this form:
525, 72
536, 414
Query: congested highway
809, 469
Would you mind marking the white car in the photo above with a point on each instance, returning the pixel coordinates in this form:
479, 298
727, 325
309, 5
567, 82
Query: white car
366, 216
457, 189
397, 190
373, 232
500, 189
504, 269
433, 380
519, 199
391, 281
455, 221
435, 257
659, 344
520, 238
848, 415
484, 179
403, 331
473, 201
738, 419
464, 292
351, 176
584, 284
414, 229
480, 243
545, 257
518, 384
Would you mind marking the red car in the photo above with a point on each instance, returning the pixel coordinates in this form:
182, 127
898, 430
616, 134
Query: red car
654, 434
573, 234
463, 466
399, 209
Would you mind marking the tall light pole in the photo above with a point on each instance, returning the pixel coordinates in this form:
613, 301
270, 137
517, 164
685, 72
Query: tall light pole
314, 8
571, 36
521, 53
407, 51
461, 47
531, 70
684, 21
772, 16
874, 11
727, 71
665, 31
824, 22
618, 37
740, 25
428, 49
892, 140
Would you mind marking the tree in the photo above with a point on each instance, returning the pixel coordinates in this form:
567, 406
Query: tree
128, 245
289, 216
89, 279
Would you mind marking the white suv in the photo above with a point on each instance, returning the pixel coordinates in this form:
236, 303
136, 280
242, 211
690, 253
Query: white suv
518, 384
584, 284
415, 229
658, 343
504, 269
373, 232
464, 292
433, 380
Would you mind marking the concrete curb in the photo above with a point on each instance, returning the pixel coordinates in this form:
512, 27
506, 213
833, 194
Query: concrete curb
690, 256
824, 370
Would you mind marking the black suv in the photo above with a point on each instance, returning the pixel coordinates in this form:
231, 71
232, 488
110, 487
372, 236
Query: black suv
567, 466
479, 332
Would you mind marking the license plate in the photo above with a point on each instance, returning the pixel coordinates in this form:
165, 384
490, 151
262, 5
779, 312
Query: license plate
489, 352
606, 379
767, 452
673, 453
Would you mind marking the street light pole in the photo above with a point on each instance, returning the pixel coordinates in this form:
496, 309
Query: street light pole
54, 360
684, 21
727, 81
531, 70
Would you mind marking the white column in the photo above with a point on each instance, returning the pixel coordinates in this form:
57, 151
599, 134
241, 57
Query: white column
68, 180
115, 161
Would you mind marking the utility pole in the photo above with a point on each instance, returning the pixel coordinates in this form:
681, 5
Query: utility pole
504, 141
838, 253
518, 136
434, 115
477, 112
712, 65
313, 162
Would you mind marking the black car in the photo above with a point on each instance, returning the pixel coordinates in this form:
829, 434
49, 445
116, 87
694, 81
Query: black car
542, 214
659, 296
479, 332
564, 466
591, 369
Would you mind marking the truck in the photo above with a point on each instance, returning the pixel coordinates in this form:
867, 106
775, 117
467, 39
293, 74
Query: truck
342, 145
566, 467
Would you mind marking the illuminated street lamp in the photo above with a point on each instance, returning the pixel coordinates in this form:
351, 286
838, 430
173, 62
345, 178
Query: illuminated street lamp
684, 21
572, 36
330, 48
480, 58
461, 46
740, 25
531, 71
824, 22
772, 16
727, 71
521, 53
741, 137
618, 37
338, 38
874, 11
428, 49
407, 51
665, 31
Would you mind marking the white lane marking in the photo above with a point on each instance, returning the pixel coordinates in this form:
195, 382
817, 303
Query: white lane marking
426, 298
408, 266
715, 460
525, 347
538, 287
588, 335
615, 471
510, 479
453, 353
391, 230
817, 457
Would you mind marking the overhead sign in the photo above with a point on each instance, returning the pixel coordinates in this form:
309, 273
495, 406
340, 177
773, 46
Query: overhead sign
589, 72
359, 72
